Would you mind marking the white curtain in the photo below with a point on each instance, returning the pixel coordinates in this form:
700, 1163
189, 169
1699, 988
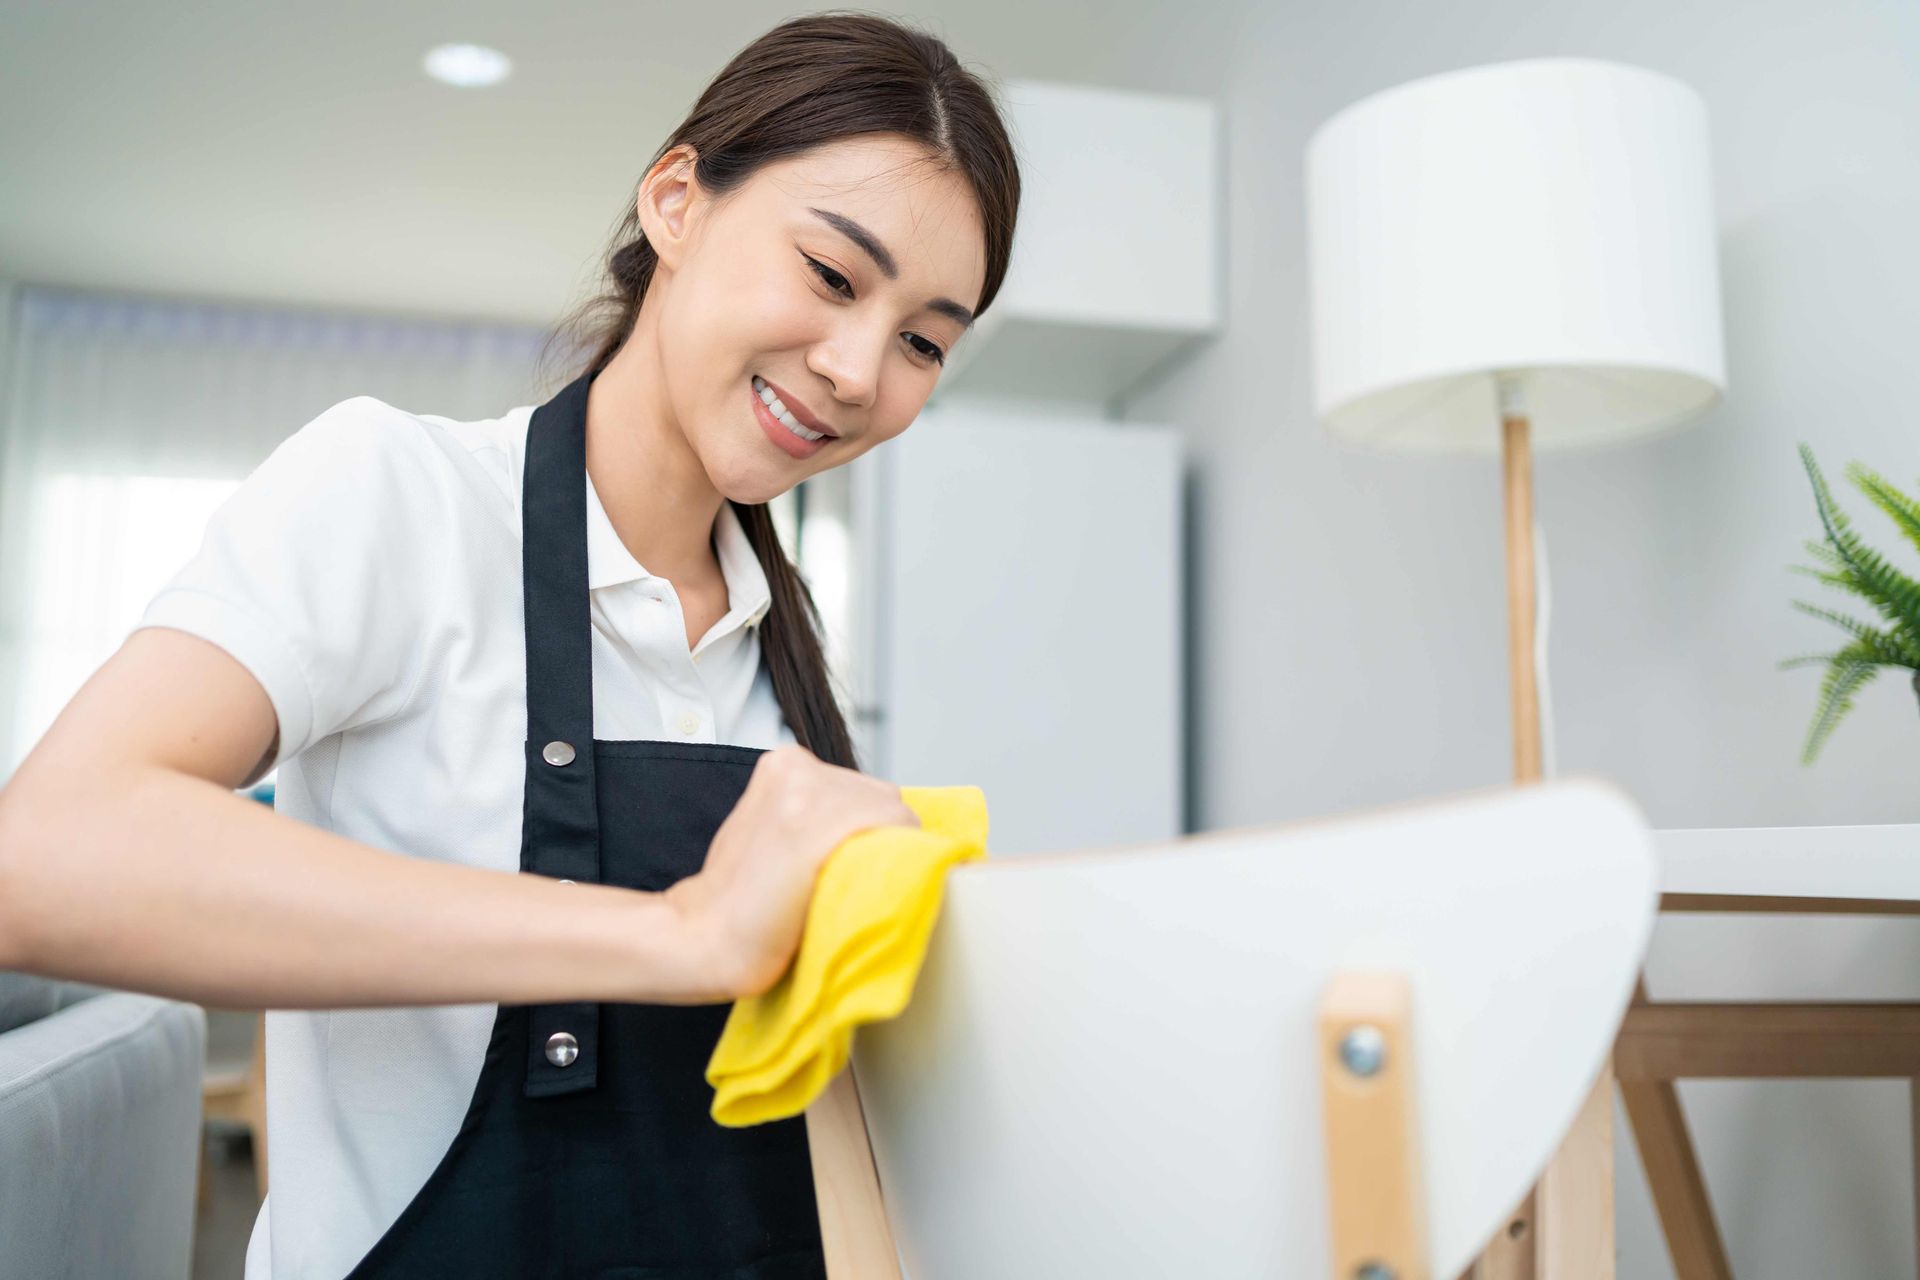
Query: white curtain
125, 420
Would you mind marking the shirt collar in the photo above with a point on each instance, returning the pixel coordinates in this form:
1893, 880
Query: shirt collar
609, 563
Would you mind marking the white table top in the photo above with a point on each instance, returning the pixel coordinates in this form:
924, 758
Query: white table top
1845, 868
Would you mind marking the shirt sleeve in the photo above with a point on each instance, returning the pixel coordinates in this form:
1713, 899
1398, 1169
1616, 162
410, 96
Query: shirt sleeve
319, 574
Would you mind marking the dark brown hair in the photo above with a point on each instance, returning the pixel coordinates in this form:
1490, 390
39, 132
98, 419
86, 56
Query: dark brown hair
809, 81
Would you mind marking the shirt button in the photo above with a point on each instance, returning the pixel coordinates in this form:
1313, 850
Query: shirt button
689, 724
562, 1049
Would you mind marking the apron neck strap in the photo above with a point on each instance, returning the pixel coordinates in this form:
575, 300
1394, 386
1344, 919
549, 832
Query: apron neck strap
560, 835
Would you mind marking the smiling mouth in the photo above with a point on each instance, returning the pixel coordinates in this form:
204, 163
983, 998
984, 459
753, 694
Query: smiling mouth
784, 415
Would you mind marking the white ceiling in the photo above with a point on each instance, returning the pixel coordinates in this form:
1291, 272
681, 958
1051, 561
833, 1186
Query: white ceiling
297, 153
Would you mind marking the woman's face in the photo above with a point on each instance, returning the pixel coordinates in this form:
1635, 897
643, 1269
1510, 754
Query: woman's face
838, 279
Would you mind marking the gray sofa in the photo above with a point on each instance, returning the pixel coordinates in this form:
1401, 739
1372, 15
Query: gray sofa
99, 1130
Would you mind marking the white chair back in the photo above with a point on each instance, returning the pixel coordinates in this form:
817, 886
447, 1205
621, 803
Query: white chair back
1110, 1067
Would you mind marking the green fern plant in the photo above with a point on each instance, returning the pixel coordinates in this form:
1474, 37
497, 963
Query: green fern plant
1843, 560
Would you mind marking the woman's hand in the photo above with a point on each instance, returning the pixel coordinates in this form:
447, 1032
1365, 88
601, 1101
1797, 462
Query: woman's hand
746, 906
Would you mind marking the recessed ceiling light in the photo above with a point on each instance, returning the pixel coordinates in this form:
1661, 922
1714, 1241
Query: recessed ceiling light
467, 65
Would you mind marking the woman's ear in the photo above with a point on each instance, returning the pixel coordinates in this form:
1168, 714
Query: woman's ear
666, 197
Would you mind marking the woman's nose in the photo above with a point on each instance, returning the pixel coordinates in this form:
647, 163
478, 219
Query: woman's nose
851, 362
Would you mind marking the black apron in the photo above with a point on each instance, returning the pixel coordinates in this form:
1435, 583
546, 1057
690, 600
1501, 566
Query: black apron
588, 1149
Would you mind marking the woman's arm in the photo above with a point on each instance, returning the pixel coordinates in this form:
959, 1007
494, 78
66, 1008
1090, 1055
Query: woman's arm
127, 860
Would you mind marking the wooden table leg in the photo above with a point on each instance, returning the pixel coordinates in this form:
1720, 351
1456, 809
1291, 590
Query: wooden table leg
1673, 1175
1913, 1119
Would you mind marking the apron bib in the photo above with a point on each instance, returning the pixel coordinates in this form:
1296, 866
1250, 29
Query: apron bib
588, 1149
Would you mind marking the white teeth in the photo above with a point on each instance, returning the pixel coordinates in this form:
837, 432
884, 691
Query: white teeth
781, 412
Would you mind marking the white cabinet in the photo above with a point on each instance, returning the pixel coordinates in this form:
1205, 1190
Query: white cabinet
1116, 258
1002, 584
1012, 617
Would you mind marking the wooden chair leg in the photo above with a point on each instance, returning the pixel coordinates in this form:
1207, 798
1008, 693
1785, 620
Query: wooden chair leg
1573, 1229
1509, 1255
254, 1103
228, 1098
204, 1178
1564, 1229
855, 1235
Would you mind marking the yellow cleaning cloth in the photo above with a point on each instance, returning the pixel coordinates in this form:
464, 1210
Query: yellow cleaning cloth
866, 933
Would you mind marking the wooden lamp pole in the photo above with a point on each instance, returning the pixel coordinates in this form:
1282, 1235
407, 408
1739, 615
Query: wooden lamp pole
1563, 1230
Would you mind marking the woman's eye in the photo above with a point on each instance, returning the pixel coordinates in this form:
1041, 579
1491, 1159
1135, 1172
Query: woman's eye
835, 281
839, 284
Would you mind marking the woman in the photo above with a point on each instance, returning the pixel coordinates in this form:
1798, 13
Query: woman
485, 1058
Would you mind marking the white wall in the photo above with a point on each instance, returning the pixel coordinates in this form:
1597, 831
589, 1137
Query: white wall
1348, 642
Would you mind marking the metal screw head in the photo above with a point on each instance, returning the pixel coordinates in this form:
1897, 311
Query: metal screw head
557, 753
1374, 1271
1363, 1051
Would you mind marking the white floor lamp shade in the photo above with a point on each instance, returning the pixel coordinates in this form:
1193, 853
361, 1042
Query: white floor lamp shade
1551, 218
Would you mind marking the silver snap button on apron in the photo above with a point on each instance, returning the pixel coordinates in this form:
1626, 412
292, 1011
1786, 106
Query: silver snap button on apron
562, 1049
557, 753
566, 882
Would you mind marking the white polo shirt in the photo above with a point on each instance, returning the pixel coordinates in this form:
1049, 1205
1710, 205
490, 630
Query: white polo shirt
368, 574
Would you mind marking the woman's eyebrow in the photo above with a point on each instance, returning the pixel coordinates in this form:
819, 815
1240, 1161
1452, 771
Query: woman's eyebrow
882, 259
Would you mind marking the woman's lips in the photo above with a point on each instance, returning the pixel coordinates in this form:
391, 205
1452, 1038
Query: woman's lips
778, 433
